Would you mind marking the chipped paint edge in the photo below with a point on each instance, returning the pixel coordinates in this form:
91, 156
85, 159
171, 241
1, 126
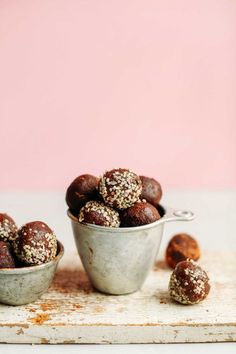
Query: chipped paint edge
117, 334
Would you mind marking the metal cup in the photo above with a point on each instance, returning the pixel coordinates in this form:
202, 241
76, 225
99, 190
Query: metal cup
23, 285
118, 260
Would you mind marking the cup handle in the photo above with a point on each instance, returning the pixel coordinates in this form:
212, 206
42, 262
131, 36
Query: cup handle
178, 215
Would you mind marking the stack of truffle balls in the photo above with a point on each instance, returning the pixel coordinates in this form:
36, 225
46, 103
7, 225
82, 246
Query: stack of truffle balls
32, 244
120, 198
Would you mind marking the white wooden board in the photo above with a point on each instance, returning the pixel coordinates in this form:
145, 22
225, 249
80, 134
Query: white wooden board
73, 312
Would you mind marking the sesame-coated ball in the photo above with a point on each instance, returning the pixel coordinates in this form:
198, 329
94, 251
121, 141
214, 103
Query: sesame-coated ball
8, 228
99, 214
189, 283
80, 191
36, 243
120, 188
151, 190
181, 247
141, 213
6, 255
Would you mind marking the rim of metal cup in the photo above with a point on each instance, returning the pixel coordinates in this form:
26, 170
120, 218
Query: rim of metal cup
169, 214
30, 269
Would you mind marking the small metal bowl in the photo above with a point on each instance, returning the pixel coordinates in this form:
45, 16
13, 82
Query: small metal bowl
19, 286
118, 260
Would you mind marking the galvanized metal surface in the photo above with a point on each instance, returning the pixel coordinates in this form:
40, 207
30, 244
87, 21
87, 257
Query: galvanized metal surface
118, 260
24, 285
74, 312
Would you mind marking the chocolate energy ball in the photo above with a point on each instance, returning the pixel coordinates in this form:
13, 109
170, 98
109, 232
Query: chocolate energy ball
80, 191
8, 228
151, 190
6, 256
120, 188
189, 283
181, 247
36, 243
99, 214
141, 213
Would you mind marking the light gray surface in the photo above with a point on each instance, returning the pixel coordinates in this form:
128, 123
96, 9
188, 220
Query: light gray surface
214, 227
216, 348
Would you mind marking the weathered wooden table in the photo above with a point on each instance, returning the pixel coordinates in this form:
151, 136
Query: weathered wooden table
73, 312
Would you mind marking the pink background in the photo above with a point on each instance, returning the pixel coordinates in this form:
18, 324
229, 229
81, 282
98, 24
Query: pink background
91, 85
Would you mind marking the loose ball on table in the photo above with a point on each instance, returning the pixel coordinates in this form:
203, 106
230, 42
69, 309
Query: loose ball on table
6, 255
189, 283
8, 228
181, 247
80, 191
120, 188
99, 214
151, 190
141, 213
36, 243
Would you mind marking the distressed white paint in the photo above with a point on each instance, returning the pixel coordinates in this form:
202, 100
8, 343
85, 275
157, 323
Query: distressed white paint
72, 312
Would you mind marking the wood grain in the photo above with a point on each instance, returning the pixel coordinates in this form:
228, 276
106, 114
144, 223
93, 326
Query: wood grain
73, 312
